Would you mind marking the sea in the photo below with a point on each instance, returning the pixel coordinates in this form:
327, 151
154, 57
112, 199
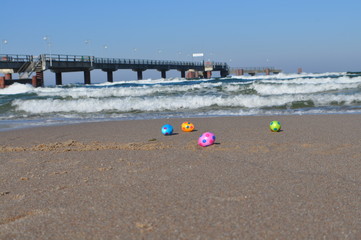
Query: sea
23, 106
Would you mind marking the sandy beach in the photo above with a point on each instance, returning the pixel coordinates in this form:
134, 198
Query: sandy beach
125, 180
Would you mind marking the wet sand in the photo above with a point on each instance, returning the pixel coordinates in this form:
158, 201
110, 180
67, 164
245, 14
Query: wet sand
125, 180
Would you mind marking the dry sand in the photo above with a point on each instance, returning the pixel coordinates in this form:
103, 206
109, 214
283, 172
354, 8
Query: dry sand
124, 180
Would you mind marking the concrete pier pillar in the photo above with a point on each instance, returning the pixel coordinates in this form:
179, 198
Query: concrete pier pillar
299, 70
40, 75
192, 74
8, 76
267, 71
140, 74
207, 74
58, 78
40, 78
110, 76
183, 74
164, 73
2, 82
87, 77
36, 82
224, 73
189, 75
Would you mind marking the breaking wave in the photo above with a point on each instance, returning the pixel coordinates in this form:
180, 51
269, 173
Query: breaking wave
257, 95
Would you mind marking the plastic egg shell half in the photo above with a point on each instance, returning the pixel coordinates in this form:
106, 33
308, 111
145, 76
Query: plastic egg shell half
187, 127
167, 129
275, 126
206, 139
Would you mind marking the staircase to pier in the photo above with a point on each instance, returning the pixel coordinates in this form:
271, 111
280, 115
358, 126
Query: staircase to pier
30, 67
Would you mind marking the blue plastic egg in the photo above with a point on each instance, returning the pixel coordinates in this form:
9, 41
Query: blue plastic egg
167, 129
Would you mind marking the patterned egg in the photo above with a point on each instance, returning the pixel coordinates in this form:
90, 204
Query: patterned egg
187, 127
206, 139
275, 126
167, 129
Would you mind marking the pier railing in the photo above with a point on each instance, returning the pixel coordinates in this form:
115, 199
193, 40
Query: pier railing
67, 58
96, 60
16, 58
144, 61
82, 58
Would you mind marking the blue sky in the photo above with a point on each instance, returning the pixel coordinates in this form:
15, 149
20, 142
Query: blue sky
317, 35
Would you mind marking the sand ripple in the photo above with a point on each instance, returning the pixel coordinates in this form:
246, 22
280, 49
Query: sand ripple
72, 145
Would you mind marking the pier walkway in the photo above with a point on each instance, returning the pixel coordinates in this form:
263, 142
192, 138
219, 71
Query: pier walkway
26, 65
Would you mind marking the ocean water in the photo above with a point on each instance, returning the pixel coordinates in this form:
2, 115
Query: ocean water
282, 94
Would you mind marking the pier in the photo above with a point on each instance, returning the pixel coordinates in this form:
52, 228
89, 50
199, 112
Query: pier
26, 65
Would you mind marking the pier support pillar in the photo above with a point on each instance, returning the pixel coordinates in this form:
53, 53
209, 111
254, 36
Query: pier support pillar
87, 77
140, 74
40, 78
183, 74
192, 74
8, 76
110, 76
299, 70
189, 75
164, 73
58, 78
224, 73
207, 74
2, 82
36, 82
267, 71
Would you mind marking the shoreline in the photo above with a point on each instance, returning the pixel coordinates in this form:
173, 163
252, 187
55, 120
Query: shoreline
124, 179
74, 121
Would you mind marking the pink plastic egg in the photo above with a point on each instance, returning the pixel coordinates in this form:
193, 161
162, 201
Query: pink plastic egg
206, 139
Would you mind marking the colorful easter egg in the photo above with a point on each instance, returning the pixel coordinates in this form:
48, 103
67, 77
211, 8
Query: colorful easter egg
275, 126
187, 127
167, 129
206, 139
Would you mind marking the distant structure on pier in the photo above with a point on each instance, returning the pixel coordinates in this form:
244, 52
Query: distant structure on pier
254, 70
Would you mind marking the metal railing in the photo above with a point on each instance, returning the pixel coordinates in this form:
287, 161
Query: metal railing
16, 58
86, 59
67, 58
144, 62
